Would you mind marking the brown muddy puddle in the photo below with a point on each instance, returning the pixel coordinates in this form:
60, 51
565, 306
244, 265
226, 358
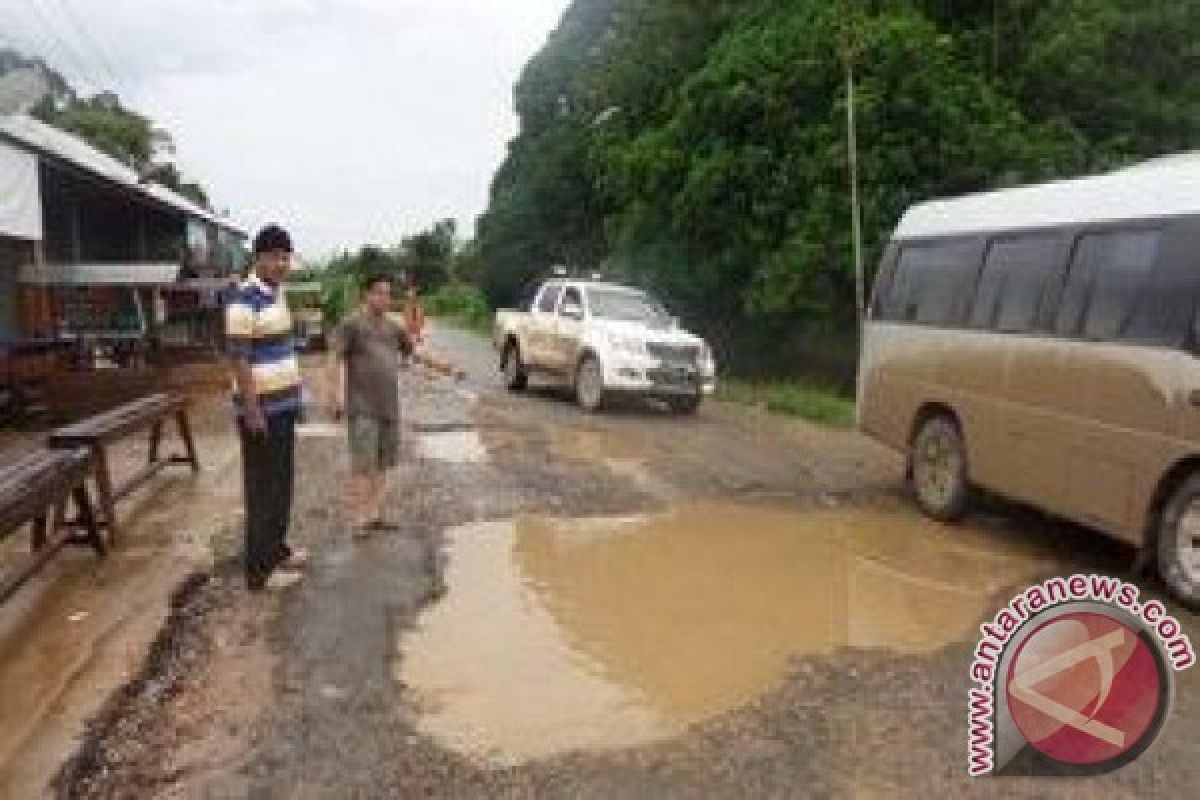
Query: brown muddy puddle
561, 635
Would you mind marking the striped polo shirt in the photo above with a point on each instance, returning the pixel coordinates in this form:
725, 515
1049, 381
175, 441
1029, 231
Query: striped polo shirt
258, 330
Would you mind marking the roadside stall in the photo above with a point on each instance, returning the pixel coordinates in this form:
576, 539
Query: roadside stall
122, 331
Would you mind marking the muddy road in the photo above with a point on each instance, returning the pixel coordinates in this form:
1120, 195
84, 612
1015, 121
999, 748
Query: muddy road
623, 605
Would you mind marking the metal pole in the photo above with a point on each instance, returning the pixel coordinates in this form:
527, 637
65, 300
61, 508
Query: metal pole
856, 210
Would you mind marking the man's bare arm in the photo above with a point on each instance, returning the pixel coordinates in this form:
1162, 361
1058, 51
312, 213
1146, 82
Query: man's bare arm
437, 365
243, 378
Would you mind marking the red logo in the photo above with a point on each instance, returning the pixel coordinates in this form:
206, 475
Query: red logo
1086, 689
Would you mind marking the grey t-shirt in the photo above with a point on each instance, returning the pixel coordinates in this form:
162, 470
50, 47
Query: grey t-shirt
371, 347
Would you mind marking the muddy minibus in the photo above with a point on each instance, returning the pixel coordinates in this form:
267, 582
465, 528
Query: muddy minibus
1043, 343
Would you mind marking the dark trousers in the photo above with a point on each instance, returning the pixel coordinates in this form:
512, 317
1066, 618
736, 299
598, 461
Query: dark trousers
268, 465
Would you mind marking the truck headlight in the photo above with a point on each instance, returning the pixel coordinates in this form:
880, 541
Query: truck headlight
628, 345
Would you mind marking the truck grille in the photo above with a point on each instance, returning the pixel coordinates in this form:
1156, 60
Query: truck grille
674, 353
677, 378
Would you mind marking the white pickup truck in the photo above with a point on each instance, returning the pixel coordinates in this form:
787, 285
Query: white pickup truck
602, 339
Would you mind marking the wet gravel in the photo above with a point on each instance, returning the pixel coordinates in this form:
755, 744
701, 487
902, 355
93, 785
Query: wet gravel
336, 723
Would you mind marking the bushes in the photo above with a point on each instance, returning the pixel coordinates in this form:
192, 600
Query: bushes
339, 294
462, 304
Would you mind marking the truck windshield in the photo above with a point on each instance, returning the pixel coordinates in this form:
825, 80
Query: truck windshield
627, 306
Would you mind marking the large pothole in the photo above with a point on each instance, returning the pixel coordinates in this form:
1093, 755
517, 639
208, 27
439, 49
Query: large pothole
560, 635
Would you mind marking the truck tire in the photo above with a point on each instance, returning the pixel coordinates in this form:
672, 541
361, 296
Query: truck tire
938, 469
1178, 543
589, 384
516, 378
685, 405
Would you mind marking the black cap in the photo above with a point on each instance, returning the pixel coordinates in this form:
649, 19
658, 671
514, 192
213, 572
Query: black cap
272, 239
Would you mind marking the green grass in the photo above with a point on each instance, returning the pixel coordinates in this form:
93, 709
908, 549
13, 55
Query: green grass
792, 398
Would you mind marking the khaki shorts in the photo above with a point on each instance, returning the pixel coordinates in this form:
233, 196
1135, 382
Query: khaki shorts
374, 444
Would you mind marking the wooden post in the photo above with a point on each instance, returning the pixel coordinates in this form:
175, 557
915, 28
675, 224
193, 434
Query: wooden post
106, 495
189, 443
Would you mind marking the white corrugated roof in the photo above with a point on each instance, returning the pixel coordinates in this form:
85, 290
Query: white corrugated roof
39, 136
1161, 187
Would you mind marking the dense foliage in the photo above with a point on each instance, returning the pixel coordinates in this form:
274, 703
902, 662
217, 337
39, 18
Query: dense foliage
699, 148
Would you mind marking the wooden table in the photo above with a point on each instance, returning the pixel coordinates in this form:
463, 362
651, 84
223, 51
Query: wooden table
98, 432
35, 491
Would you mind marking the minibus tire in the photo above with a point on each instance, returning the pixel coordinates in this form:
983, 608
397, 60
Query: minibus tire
1171, 554
949, 502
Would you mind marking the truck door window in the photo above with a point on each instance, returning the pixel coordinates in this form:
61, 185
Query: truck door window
549, 299
570, 296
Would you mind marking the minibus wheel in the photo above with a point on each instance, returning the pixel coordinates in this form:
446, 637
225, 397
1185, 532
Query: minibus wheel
938, 466
1179, 543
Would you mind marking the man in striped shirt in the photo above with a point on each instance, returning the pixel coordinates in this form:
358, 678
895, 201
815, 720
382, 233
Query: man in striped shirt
261, 345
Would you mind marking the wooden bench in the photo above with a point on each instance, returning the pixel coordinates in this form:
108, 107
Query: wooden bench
98, 432
35, 491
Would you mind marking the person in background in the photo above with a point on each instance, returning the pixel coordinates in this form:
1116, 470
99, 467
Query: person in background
414, 315
368, 351
258, 331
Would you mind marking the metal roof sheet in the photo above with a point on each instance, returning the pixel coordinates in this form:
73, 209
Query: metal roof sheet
39, 136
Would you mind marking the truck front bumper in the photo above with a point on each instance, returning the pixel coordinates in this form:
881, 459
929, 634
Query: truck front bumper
650, 376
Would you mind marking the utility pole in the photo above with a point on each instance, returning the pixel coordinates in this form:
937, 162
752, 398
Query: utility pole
850, 53
995, 41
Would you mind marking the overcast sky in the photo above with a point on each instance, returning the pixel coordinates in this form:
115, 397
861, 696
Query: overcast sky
350, 121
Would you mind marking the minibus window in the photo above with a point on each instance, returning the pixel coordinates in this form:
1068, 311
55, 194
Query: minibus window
1107, 275
1124, 262
931, 281
1014, 281
1166, 303
1079, 284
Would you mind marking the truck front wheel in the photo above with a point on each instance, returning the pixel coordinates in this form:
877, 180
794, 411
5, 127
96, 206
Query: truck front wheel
589, 384
685, 404
516, 377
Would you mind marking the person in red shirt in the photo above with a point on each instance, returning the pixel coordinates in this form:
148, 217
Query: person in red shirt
414, 315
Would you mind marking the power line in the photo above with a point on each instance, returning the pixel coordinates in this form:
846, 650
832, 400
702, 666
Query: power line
86, 37
57, 44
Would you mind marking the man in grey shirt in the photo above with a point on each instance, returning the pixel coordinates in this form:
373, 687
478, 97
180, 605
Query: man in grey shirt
369, 349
